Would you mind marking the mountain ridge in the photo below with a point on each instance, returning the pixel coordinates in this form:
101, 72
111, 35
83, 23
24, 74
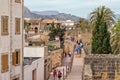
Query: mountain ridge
49, 14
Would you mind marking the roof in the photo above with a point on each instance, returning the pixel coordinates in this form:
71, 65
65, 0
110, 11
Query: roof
29, 60
33, 20
50, 21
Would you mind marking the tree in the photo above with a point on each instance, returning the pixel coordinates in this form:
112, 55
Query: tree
115, 38
26, 26
53, 32
102, 18
83, 24
57, 31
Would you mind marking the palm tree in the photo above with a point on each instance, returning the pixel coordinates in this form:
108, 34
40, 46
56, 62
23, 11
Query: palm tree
115, 38
101, 18
102, 13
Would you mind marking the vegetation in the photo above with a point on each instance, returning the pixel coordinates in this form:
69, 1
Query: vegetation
102, 18
57, 31
115, 38
51, 47
26, 26
83, 24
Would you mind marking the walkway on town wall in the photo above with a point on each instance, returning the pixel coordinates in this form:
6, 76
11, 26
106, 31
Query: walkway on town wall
77, 67
76, 72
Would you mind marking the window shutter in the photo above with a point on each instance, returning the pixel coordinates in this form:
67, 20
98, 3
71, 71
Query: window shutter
18, 1
4, 24
14, 58
18, 56
4, 62
17, 25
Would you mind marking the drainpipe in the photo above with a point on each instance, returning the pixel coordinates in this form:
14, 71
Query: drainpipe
10, 21
22, 40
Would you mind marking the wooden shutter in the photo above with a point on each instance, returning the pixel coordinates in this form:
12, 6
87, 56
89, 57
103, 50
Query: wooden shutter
14, 58
18, 1
18, 56
4, 62
17, 25
4, 25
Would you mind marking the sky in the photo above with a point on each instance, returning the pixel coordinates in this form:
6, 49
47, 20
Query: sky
81, 8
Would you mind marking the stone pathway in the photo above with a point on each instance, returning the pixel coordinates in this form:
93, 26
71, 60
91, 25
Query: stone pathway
77, 67
76, 72
65, 62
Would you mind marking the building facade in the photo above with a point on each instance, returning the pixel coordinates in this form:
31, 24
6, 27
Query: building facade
33, 68
46, 23
34, 24
11, 44
41, 52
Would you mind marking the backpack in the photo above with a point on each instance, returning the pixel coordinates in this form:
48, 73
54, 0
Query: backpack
59, 74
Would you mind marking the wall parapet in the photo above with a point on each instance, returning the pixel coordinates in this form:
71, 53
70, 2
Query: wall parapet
103, 66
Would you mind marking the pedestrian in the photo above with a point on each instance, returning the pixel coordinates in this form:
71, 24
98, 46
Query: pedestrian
69, 54
65, 54
59, 75
76, 50
54, 74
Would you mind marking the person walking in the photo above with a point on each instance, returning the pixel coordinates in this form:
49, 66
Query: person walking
59, 75
65, 54
54, 74
69, 54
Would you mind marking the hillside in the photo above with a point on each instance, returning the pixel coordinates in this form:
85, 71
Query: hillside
49, 14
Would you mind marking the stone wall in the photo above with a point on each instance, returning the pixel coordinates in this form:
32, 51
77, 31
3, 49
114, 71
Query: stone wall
56, 57
103, 66
69, 46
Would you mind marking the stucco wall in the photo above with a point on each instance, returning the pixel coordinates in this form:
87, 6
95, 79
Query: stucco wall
10, 42
35, 51
39, 66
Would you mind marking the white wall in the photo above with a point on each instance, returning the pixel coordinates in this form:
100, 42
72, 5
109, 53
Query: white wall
17, 38
7, 45
4, 40
39, 66
68, 23
35, 51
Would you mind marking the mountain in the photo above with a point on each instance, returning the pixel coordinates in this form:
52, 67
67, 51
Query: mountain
27, 12
49, 14
117, 16
46, 12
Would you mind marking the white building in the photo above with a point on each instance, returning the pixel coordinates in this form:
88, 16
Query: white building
68, 23
11, 24
39, 67
34, 68
35, 51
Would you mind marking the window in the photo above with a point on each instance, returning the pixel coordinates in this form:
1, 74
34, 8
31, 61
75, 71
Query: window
16, 57
4, 25
4, 61
17, 25
18, 1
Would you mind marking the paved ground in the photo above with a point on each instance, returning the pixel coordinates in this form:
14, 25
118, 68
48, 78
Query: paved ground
76, 72
65, 62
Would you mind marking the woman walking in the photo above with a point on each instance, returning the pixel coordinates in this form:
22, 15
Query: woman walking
54, 74
59, 75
